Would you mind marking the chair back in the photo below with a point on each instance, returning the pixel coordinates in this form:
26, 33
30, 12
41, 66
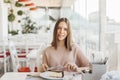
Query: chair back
14, 56
4, 55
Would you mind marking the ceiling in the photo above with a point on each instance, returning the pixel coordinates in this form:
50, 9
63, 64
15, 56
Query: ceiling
54, 3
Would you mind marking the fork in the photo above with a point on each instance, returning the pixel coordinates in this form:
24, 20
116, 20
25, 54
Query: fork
56, 68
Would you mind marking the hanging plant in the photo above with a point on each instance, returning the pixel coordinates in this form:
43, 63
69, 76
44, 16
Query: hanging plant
20, 12
17, 4
7, 1
11, 17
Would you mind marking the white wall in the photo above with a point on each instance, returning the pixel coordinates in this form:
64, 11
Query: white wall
3, 20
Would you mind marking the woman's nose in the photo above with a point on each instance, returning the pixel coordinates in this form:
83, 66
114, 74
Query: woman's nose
62, 30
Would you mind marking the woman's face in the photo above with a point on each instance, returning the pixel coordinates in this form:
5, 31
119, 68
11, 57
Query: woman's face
62, 31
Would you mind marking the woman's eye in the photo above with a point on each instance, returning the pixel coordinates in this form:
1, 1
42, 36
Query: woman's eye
65, 29
59, 28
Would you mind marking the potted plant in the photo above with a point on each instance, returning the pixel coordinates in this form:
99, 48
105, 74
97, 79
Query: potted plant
13, 32
29, 26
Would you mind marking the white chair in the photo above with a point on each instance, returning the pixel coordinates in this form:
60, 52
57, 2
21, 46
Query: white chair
19, 44
4, 55
15, 60
35, 57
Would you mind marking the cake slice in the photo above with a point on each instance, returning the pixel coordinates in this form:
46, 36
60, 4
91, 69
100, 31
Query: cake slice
56, 74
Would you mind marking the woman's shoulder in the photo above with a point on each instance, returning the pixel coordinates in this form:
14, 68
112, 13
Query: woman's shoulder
75, 45
46, 50
49, 48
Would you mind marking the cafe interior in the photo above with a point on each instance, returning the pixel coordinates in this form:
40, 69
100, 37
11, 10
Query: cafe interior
26, 28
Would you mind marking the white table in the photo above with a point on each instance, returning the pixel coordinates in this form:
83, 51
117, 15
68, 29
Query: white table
23, 76
14, 76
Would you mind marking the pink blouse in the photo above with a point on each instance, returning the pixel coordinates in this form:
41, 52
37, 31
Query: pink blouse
61, 56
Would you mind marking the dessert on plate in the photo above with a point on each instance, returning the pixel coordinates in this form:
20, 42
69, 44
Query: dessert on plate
56, 74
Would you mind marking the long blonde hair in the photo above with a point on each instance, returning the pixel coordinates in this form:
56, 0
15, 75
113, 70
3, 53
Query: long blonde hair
68, 40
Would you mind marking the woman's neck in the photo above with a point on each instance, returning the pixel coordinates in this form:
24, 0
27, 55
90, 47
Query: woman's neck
61, 44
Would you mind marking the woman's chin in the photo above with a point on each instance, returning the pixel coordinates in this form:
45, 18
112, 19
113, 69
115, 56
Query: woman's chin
61, 39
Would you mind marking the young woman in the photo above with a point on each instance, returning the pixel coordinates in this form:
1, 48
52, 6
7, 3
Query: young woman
63, 52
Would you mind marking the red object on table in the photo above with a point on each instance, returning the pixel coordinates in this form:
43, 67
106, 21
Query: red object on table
35, 70
24, 69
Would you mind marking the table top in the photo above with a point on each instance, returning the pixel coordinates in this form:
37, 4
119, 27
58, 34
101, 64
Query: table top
14, 76
24, 76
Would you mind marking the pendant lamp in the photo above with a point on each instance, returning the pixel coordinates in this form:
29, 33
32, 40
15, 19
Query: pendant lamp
33, 8
23, 0
30, 4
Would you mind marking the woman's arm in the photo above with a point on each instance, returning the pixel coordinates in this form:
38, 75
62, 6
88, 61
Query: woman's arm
82, 61
44, 65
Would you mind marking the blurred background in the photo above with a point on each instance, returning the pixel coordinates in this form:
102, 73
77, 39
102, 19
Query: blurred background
95, 25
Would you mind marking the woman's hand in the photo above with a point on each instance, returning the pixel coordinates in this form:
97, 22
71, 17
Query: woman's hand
70, 67
43, 67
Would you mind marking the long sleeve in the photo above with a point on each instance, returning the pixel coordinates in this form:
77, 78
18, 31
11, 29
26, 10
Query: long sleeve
81, 59
44, 60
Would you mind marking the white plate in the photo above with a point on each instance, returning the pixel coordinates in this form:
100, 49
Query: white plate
46, 76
